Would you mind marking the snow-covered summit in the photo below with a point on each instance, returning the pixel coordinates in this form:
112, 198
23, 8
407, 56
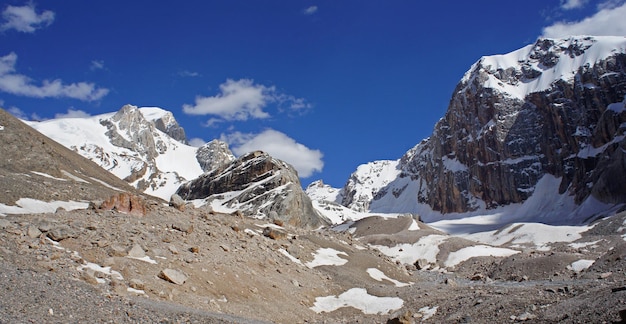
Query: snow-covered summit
134, 144
536, 67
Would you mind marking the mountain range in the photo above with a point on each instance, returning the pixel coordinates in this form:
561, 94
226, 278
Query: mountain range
498, 216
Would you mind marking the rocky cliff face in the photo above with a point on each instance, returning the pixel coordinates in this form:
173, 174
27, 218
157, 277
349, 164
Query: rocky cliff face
257, 185
552, 108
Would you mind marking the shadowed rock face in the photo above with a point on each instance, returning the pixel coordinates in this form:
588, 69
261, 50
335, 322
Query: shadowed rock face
264, 186
505, 144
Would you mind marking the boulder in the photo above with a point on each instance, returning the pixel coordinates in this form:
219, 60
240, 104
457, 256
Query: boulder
173, 276
125, 203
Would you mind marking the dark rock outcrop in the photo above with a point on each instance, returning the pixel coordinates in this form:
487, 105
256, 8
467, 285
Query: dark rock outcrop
505, 144
552, 108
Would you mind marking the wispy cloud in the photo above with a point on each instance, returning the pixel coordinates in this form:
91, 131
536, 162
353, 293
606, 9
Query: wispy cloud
19, 84
186, 73
573, 4
72, 113
19, 113
97, 65
310, 10
305, 160
242, 100
25, 18
608, 21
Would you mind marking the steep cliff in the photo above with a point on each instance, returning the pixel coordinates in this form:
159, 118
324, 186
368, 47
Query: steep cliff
554, 108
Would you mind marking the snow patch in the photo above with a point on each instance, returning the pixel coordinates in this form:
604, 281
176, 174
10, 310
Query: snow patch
327, 256
583, 244
47, 176
290, 257
34, 206
580, 265
359, 299
380, 276
428, 312
454, 258
537, 234
144, 259
426, 248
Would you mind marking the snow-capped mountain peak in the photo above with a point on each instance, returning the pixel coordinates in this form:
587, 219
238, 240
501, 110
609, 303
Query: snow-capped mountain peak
135, 144
540, 124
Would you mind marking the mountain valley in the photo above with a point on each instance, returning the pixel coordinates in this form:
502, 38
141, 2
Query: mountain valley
512, 211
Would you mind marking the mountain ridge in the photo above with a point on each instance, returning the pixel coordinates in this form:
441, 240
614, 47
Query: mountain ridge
554, 107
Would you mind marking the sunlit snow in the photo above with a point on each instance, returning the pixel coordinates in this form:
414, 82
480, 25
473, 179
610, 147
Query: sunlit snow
454, 258
380, 276
34, 206
327, 256
359, 299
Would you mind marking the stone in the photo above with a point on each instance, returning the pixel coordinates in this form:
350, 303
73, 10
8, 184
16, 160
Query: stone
33, 232
125, 203
4, 223
406, 318
136, 284
177, 202
89, 276
46, 225
421, 264
172, 249
136, 251
183, 227
60, 233
116, 250
173, 276
274, 233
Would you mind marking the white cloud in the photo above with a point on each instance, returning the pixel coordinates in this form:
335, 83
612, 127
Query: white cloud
237, 100
25, 19
305, 160
196, 142
19, 84
96, 65
573, 4
606, 22
242, 100
72, 113
310, 10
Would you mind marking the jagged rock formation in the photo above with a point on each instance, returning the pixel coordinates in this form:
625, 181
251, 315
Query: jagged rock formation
168, 125
259, 186
213, 155
552, 108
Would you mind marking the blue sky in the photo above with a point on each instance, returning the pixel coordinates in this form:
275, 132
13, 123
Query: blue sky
324, 85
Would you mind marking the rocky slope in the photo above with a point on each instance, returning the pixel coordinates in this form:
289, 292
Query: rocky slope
34, 168
552, 110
